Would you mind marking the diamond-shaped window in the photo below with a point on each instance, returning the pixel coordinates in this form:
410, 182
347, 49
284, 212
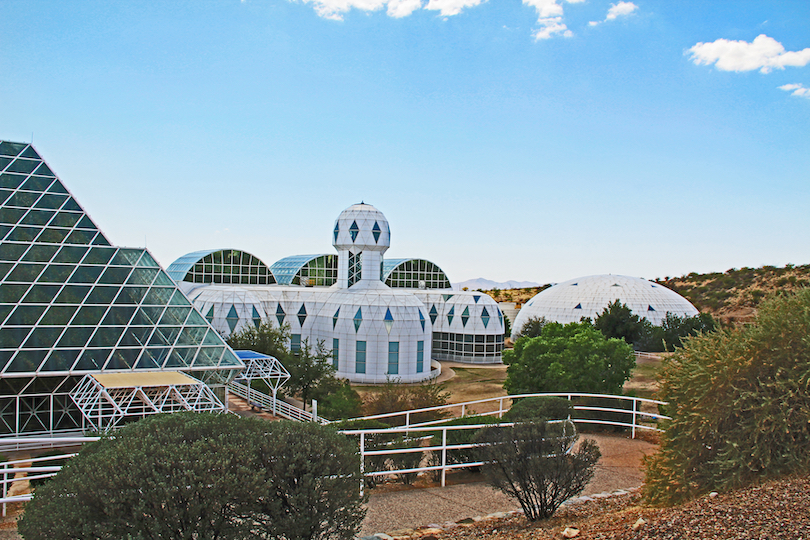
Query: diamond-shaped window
465, 316
280, 315
451, 314
375, 230
302, 314
257, 319
358, 319
485, 316
433, 314
335, 318
388, 320
354, 230
422, 320
337, 230
210, 314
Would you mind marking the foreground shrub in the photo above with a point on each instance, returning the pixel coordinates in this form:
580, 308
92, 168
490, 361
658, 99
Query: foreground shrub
539, 408
460, 436
532, 463
740, 404
194, 475
395, 397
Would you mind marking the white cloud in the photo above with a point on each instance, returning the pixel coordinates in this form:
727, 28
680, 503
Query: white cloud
764, 54
334, 9
403, 8
797, 90
451, 7
550, 18
622, 9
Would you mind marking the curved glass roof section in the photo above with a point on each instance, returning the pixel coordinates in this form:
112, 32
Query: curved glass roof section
414, 274
308, 270
221, 266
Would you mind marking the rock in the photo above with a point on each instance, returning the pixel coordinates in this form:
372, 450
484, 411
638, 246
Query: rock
570, 532
401, 534
383, 536
713, 494
639, 524
465, 521
428, 537
428, 531
497, 515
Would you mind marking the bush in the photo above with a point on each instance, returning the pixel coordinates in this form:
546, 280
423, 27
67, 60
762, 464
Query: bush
571, 358
373, 441
533, 327
339, 401
739, 401
395, 397
531, 463
539, 408
461, 436
197, 475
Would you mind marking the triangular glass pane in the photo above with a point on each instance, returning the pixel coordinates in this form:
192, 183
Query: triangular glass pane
174, 316
24, 166
158, 296
99, 255
257, 319
476, 298
163, 279
178, 299
72, 206
30, 153
11, 149
37, 183
142, 276
92, 359
152, 313
191, 335
61, 360
147, 362
87, 223
135, 336
195, 319
123, 359
447, 297
335, 318
57, 187
210, 314
208, 356
127, 257
26, 361
76, 336
147, 261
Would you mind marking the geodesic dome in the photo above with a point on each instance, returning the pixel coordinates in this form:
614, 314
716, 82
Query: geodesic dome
588, 296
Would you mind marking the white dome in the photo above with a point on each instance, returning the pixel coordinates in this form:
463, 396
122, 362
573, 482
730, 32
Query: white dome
361, 227
589, 296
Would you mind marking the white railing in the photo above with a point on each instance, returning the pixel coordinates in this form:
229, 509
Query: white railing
10, 469
457, 410
634, 413
272, 405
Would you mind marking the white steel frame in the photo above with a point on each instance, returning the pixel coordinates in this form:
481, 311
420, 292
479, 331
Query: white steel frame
104, 407
267, 369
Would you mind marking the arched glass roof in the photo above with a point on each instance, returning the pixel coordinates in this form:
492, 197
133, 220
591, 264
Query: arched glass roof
309, 270
221, 266
409, 273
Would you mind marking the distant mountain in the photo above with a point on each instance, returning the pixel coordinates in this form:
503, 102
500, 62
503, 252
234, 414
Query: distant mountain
488, 284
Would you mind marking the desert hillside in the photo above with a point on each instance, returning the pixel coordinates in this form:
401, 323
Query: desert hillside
730, 296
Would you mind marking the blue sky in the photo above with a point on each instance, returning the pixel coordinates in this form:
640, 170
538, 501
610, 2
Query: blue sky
538, 140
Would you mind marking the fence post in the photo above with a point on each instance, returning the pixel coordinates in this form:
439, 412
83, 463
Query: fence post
464, 409
635, 405
5, 486
314, 410
500, 408
362, 462
444, 455
408, 419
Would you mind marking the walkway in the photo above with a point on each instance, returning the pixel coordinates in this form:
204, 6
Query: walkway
619, 468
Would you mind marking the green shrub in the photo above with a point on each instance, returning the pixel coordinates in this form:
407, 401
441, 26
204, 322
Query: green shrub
373, 441
461, 436
395, 397
198, 475
740, 402
531, 463
539, 408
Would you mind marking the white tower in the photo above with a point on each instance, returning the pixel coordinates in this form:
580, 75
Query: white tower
361, 236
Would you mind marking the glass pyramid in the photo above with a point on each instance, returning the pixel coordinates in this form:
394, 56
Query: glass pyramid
72, 304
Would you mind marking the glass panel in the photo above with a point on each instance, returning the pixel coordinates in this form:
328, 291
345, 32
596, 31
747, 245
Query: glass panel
65, 219
37, 183
100, 240
41, 294
191, 336
11, 215
11, 149
25, 272
11, 252
127, 257
25, 315
53, 236
92, 360
179, 300
135, 337
174, 315
131, 295
38, 217
57, 187
163, 279
122, 359
196, 319
11, 181
86, 274
118, 315
212, 338
24, 234
152, 313
26, 361
90, 315
115, 275
70, 254
60, 360
72, 294
58, 315
42, 338
147, 362
209, 356
4, 311
148, 261
158, 296
73, 206
102, 295
165, 335
22, 199
51, 201
142, 276
40, 253
12, 338
106, 336
86, 223
80, 237
99, 255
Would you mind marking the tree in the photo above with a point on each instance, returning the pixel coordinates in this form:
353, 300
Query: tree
676, 328
532, 462
571, 358
200, 475
533, 327
740, 401
267, 339
618, 321
394, 397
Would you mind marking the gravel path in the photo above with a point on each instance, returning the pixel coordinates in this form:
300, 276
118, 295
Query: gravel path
619, 468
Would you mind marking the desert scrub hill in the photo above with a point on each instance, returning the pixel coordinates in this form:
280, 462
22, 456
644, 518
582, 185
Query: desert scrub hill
730, 296
733, 296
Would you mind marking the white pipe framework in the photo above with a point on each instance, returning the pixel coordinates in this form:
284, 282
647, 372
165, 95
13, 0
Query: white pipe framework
106, 398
